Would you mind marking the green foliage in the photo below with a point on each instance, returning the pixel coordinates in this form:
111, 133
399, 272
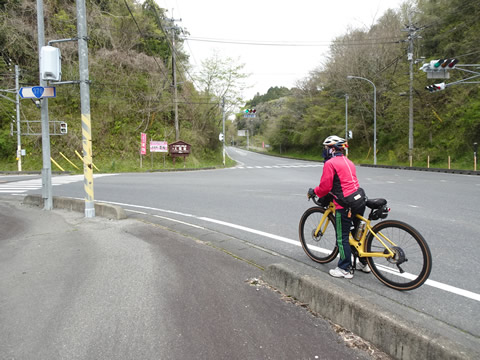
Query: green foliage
273, 93
63, 24
130, 60
445, 123
7, 145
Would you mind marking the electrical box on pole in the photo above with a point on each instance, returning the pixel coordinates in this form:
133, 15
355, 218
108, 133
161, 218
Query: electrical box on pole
50, 63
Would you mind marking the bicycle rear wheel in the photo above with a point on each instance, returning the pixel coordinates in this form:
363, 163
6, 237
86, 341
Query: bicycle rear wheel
412, 254
323, 247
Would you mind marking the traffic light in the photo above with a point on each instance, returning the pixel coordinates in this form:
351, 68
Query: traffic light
445, 64
435, 87
438, 65
63, 127
250, 113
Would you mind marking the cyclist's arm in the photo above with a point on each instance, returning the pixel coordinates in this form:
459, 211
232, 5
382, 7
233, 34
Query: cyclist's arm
326, 182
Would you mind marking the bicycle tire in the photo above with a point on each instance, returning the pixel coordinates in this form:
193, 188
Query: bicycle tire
321, 249
413, 248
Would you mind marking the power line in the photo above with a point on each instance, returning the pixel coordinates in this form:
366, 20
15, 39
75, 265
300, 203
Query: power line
373, 41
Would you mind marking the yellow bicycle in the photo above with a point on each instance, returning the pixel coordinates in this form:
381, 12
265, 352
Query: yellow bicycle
397, 254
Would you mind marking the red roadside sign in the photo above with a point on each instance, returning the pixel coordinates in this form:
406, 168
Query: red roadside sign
143, 144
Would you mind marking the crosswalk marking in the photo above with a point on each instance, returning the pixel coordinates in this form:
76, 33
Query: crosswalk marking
277, 166
22, 186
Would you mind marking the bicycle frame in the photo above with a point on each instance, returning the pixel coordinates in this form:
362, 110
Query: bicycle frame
360, 244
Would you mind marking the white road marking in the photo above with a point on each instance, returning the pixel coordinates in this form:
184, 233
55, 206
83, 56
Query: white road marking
36, 184
433, 283
243, 166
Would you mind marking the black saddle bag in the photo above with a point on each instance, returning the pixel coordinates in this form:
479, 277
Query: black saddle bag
355, 202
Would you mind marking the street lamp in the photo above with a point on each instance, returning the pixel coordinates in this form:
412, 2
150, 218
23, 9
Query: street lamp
346, 120
374, 116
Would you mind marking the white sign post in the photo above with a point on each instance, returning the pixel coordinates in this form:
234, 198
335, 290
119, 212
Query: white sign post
243, 133
159, 146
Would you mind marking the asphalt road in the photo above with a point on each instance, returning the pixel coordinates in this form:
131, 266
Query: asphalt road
261, 201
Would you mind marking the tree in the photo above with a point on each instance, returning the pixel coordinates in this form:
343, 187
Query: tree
222, 78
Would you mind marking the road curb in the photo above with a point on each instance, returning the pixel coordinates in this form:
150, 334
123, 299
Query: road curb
101, 209
416, 168
389, 332
398, 167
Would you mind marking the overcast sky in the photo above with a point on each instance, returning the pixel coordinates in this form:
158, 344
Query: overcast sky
313, 22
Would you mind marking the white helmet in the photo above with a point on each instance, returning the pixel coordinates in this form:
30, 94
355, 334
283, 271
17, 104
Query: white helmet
336, 141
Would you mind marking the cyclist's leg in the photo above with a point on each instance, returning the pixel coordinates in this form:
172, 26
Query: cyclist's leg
343, 224
356, 221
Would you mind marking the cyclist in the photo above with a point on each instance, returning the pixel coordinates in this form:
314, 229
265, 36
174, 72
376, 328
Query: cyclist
339, 179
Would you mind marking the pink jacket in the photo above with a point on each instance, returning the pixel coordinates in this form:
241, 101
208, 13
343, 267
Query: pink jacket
339, 177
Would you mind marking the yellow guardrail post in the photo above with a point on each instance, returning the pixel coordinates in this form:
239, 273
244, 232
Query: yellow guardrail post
75, 166
81, 158
57, 164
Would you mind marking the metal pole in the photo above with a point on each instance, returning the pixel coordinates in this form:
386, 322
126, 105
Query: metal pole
85, 108
346, 120
410, 109
177, 128
223, 141
411, 36
475, 150
47, 164
374, 115
17, 102
374, 123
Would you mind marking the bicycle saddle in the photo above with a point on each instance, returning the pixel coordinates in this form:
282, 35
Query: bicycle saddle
376, 203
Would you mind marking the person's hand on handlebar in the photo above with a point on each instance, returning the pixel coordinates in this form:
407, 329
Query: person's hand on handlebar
311, 194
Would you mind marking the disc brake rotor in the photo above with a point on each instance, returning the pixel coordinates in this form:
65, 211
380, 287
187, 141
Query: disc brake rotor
318, 237
398, 255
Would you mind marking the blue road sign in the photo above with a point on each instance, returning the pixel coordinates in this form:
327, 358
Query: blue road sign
37, 92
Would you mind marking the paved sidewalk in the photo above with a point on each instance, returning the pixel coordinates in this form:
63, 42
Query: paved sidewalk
77, 288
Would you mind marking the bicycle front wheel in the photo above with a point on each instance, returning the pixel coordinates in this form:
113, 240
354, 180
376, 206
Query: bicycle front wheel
412, 255
321, 248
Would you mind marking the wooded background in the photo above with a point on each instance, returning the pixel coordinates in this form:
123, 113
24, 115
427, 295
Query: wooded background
130, 64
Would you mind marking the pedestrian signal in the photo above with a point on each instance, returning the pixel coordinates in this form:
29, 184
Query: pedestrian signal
435, 87
63, 128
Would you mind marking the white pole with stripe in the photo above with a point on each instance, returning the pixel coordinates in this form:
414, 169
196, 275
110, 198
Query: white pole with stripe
85, 109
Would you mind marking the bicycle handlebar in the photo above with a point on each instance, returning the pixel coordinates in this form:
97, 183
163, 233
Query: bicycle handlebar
316, 199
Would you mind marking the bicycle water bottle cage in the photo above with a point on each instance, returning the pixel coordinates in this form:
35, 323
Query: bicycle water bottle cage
379, 209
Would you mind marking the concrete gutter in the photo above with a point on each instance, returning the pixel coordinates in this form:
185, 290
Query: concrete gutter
101, 209
391, 333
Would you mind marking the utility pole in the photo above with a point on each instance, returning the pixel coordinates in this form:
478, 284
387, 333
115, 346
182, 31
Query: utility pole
175, 92
412, 35
47, 164
17, 103
410, 106
174, 28
223, 119
85, 108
